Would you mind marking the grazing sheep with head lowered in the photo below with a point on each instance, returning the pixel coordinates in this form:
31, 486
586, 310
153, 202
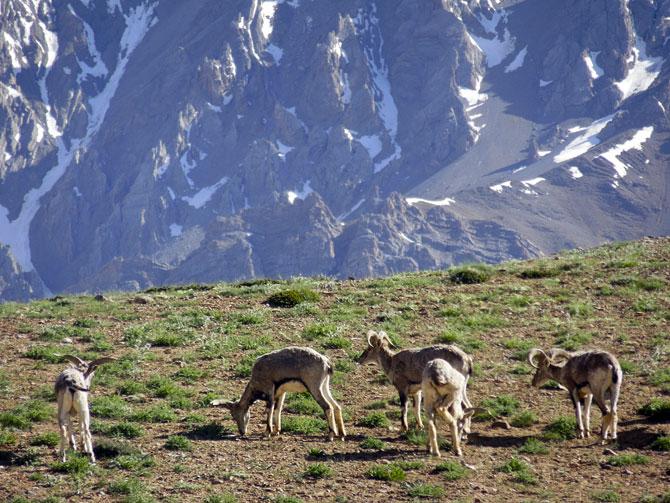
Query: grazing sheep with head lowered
442, 388
405, 369
287, 370
72, 388
587, 375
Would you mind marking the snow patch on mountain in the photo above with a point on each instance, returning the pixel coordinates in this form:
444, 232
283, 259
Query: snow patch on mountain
204, 195
585, 141
301, 194
518, 60
499, 187
635, 143
595, 71
447, 201
495, 49
642, 70
575, 172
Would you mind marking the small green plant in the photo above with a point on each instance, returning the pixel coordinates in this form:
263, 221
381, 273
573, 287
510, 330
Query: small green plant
520, 470
375, 420
319, 331
155, 414
657, 409
316, 452
502, 405
48, 439
580, 309
388, 473
304, 425
562, 428
76, 464
524, 419
451, 470
627, 460
533, 446
410, 465
133, 462
538, 272
661, 444
112, 406
376, 405
302, 403
470, 275
372, 444
178, 443
124, 430
318, 471
7, 438
571, 340
422, 490
606, 496
292, 297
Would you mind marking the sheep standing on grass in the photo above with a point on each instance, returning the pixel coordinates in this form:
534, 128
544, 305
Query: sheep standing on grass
405, 369
72, 388
586, 375
291, 369
442, 387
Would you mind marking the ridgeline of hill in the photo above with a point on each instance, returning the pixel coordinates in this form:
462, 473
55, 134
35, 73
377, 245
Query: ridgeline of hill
158, 440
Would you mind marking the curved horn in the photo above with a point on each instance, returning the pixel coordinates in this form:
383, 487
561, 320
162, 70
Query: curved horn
370, 334
559, 357
75, 359
384, 335
534, 355
100, 361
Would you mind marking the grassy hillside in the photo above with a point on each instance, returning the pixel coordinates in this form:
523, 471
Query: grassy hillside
157, 440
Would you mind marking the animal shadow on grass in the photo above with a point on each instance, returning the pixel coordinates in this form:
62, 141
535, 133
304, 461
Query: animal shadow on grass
361, 455
211, 431
637, 438
10, 458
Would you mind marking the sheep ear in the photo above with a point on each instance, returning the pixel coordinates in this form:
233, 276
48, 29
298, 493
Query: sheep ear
534, 357
76, 360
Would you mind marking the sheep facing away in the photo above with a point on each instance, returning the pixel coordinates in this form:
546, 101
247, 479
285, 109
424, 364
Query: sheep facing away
405, 368
442, 387
291, 369
72, 387
587, 375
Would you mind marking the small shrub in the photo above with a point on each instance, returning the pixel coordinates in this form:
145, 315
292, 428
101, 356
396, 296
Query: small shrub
48, 439
519, 469
292, 297
503, 405
389, 473
451, 470
156, 414
375, 420
337, 342
50, 354
657, 409
562, 428
124, 430
469, 275
319, 331
606, 496
112, 406
627, 460
318, 471
533, 446
421, 490
7, 438
372, 444
415, 437
304, 425
189, 374
76, 464
410, 465
524, 419
316, 452
133, 462
127, 487
661, 444
178, 443
539, 272
302, 403
580, 309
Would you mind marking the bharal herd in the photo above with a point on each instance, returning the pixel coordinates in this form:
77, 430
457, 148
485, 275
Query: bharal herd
437, 373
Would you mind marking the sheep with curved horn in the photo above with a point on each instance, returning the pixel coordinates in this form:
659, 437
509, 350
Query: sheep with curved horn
587, 375
405, 368
72, 388
287, 370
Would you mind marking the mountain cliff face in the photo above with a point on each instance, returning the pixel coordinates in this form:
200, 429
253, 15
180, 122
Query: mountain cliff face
148, 142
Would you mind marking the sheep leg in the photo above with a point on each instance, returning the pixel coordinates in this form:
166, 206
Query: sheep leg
277, 415
614, 398
606, 419
64, 429
587, 414
404, 405
574, 394
416, 401
325, 387
327, 409
85, 419
453, 426
433, 446
270, 416
468, 404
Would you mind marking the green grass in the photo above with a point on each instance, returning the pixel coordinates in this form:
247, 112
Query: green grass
467, 342
221, 498
136, 462
563, 428
76, 464
302, 403
372, 444
316, 452
533, 446
470, 275
48, 439
318, 471
292, 297
124, 429
160, 413
110, 406
571, 339
627, 460
422, 490
375, 420
520, 347
48, 353
502, 405
520, 471
524, 419
661, 444
319, 331
24, 415
387, 473
178, 443
7, 438
304, 425
606, 496
451, 470
657, 409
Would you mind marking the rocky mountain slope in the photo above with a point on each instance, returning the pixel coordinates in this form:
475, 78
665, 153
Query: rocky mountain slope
150, 142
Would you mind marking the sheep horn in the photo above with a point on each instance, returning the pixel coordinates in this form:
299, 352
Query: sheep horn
370, 334
533, 354
76, 360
